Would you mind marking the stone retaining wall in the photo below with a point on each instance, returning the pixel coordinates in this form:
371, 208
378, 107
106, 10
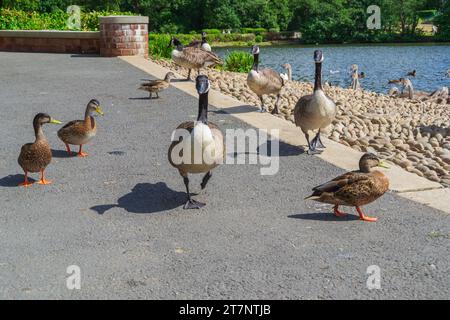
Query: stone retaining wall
50, 41
118, 36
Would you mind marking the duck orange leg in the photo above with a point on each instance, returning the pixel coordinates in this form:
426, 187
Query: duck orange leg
25, 183
80, 153
363, 217
43, 181
68, 149
338, 213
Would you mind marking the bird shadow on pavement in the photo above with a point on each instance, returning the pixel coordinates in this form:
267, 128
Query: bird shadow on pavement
147, 198
13, 180
62, 154
284, 150
323, 216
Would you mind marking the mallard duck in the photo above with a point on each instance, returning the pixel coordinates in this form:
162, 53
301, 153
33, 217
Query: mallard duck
36, 156
356, 188
264, 81
193, 58
155, 86
315, 111
203, 44
197, 147
80, 132
395, 81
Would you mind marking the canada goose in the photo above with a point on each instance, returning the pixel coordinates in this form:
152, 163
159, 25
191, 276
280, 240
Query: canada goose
411, 73
80, 132
315, 111
355, 188
36, 156
355, 77
287, 76
193, 58
395, 81
155, 86
362, 75
203, 44
265, 81
406, 84
201, 142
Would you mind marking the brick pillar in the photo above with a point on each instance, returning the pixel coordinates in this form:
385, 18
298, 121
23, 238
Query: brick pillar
124, 36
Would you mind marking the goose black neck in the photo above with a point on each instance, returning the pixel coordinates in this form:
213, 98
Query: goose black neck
318, 77
204, 40
203, 108
255, 61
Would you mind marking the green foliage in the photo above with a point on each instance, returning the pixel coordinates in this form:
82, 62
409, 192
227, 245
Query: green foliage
259, 38
11, 19
318, 20
159, 45
238, 61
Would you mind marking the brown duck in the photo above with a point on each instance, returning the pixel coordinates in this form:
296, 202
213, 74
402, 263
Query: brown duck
354, 189
201, 142
156, 86
80, 132
36, 156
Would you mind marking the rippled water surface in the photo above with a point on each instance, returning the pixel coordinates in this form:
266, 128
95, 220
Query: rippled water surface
379, 62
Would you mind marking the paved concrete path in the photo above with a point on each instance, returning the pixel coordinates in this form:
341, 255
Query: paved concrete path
118, 215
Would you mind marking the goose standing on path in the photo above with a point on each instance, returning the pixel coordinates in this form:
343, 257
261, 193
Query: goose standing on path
315, 111
197, 147
203, 44
36, 156
354, 189
264, 81
193, 58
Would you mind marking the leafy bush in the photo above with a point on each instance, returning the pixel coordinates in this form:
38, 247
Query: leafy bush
212, 31
238, 61
158, 45
57, 20
259, 38
256, 31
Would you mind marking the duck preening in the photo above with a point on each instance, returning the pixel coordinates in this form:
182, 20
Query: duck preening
264, 81
197, 147
354, 189
36, 156
80, 132
203, 44
156, 86
315, 111
193, 58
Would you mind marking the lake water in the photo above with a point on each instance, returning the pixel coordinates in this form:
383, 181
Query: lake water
380, 63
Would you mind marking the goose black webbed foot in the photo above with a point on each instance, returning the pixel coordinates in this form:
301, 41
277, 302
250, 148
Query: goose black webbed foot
193, 204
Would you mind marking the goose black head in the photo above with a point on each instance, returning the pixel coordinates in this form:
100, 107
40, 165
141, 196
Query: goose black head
174, 42
318, 56
202, 84
203, 34
255, 49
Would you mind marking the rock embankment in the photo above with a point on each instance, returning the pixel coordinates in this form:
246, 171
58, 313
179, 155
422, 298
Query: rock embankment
413, 133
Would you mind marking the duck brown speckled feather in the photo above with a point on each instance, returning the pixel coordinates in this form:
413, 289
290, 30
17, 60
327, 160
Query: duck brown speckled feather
35, 157
195, 58
78, 132
352, 189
